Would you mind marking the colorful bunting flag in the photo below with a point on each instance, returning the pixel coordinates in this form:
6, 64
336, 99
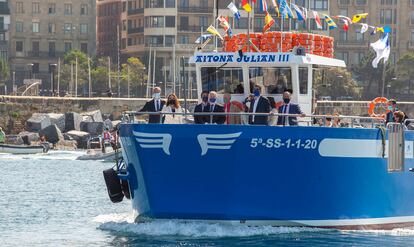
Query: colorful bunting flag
345, 26
374, 31
224, 23
234, 10
385, 29
382, 49
300, 15
330, 22
263, 5
285, 10
358, 17
274, 2
246, 6
203, 38
317, 19
269, 21
214, 32
364, 28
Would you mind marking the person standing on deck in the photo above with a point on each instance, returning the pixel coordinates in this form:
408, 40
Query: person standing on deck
216, 108
2, 135
288, 108
392, 108
232, 107
154, 105
259, 104
204, 106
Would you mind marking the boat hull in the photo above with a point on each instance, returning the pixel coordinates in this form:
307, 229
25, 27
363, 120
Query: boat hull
21, 149
281, 176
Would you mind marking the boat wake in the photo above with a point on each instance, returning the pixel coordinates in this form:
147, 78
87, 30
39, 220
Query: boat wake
401, 232
51, 155
124, 224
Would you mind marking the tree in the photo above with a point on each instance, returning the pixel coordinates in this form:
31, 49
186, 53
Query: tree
405, 74
135, 70
4, 71
336, 82
68, 60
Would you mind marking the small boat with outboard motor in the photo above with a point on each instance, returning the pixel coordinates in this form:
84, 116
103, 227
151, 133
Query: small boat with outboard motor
24, 149
354, 177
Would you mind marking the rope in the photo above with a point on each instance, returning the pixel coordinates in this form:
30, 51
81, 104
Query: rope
382, 131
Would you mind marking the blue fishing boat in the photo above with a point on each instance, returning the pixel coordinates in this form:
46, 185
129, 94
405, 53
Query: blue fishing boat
356, 177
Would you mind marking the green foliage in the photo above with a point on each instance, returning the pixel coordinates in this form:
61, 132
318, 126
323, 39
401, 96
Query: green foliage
134, 69
405, 74
4, 71
336, 82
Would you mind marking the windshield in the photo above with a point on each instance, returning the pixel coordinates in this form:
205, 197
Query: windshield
273, 80
222, 80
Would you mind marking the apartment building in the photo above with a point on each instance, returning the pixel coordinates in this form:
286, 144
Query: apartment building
167, 30
42, 31
4, 29
399, 14
108, 22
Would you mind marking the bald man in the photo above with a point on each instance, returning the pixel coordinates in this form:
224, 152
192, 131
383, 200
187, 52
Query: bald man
154, 105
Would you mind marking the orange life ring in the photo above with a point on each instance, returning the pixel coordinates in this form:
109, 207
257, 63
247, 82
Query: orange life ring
374, 102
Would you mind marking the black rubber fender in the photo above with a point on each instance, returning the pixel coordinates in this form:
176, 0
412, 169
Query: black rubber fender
113, 185
125, 189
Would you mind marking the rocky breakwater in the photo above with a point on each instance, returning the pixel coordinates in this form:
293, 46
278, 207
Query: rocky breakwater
65, 131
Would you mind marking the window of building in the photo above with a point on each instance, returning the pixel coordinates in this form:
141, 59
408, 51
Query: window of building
83, 28
183, 39
359, 36
52, 28
342, 56
52, 49
35, 27
169, 40
412, 18
388, 16
241, 23
19, 7
19, 26
35, 68
68, 46
67, 28
154, 3
389, 2
19, 46
361, 2
35, 48
184, 3
35, 8
52, 8
359, 56
203, 22
84, 48
154, 40
68, 8
344, 2
170, 3
412, 35
320, 5
169, 21
203, 3
84, 9
154, 21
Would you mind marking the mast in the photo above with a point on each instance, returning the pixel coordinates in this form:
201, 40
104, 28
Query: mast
149, 72
119, 61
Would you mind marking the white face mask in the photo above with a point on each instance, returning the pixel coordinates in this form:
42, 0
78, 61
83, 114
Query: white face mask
156, 95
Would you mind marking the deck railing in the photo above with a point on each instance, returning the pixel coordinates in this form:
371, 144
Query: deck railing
307, 120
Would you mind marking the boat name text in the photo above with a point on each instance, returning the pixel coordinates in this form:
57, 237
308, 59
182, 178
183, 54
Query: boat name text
230, 58
279, 143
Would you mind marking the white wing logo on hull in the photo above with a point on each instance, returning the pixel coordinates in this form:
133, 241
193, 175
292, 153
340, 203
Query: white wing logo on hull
154, 140
218, 142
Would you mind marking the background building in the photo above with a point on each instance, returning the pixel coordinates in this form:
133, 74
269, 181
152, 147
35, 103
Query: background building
108, 21
4, 29
42, 31
167, 29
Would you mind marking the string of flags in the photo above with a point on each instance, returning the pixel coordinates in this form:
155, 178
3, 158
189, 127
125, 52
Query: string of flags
285, 10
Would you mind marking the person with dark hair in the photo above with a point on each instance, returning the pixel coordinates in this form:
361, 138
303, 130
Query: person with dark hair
2, 135
258, 104
288, 108
202, 107
154, 105
173, 106
391, 109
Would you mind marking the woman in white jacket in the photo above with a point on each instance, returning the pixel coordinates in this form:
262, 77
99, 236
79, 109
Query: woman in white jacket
173, 106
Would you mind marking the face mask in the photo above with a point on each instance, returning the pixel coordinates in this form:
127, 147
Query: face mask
212, 100
205, 98
286, 100
390, 108
156, 95
256, 93
171, 101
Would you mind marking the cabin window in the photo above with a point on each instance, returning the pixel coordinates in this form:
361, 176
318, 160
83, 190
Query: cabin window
222, 80
303, 80
273, 80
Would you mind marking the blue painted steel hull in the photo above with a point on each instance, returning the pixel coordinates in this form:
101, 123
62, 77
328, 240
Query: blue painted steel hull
265, 175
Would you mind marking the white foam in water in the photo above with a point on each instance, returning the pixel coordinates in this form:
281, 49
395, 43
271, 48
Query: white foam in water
123, 223
393, 232
51, 155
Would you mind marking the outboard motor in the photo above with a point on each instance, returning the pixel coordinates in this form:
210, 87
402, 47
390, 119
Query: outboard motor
125, 189
113, 185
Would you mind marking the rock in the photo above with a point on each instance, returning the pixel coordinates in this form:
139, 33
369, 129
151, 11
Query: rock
80, 137
66, 145
67, 137
72, 121
52, 134
93, 128
58, 119
14, 139
37, 122
29, 137
95, 115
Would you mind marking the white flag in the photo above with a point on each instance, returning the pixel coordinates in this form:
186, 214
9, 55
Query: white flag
364, 28
382, 49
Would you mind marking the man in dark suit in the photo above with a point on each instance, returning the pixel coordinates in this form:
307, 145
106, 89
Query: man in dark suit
154, 105
288, 108
215, 107
204, 106
258, 104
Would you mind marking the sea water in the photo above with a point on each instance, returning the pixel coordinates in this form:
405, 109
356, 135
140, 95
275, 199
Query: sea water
55, 200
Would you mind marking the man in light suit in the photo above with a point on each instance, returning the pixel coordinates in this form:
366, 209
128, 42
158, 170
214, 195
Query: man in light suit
154, 105
259, 104
288, 108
